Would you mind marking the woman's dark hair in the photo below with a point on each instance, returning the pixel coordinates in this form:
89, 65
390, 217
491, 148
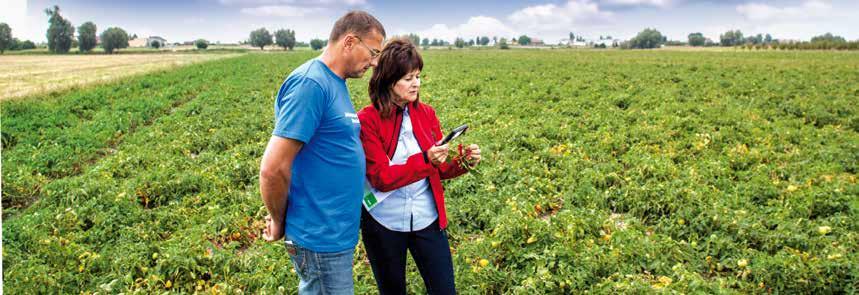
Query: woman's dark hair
398, 58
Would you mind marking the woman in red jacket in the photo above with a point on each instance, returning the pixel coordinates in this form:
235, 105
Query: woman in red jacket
404, 207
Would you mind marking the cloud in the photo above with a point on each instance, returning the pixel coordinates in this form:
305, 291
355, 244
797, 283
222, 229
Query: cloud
280, 10
656, 3
767, 13
293, 2
475, 26
551, 17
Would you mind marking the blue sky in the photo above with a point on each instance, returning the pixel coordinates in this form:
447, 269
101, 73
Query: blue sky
232, 20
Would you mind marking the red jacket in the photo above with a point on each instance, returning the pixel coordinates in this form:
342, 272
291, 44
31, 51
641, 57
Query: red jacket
380, 136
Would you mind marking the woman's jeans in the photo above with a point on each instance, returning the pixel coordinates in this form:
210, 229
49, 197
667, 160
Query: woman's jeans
386, 250
322, 273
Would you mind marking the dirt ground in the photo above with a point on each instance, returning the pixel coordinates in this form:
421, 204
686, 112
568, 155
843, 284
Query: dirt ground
25, 75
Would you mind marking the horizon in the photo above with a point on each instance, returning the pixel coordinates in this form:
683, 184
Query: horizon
231, 21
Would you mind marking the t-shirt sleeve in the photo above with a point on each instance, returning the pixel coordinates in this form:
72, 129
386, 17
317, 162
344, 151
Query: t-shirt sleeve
300, 111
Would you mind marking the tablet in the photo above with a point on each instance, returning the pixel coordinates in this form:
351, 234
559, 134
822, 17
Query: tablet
456, 132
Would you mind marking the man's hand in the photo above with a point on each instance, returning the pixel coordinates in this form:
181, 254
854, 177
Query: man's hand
273, 229
274, 178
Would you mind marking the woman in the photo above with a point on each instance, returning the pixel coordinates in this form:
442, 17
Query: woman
404, 209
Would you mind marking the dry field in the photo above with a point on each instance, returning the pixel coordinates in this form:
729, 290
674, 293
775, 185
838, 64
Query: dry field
29, 74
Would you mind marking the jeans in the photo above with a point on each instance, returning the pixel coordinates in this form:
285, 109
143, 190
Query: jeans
386, 250
322, 273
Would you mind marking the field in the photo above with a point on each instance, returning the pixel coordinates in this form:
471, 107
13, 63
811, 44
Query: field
604, 171
32, 74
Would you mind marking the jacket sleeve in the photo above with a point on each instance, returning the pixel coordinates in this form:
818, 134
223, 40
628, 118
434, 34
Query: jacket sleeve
452, 168
380, 173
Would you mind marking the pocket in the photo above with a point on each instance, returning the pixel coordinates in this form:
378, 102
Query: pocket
299, 260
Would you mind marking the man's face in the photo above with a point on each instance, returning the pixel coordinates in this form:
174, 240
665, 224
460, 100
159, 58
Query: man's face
364, 53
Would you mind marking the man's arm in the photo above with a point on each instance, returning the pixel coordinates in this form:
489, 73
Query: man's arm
274, 177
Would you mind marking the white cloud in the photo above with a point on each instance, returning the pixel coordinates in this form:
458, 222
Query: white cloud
475, 26
281, 10
657, 3
292, 2
767, 13
553, 18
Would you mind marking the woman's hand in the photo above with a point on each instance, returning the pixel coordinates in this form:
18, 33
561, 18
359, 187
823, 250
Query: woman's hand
437, 154
473, 154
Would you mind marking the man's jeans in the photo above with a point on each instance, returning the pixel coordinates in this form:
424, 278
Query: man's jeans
322, 273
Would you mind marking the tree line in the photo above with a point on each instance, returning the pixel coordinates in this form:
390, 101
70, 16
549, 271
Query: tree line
61, 36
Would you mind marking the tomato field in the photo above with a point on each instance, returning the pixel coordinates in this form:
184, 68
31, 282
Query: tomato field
604, 171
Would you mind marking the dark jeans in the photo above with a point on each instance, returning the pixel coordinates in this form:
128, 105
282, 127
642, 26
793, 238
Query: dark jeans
386, 250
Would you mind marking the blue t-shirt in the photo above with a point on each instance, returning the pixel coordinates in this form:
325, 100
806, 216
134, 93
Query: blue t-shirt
324, 202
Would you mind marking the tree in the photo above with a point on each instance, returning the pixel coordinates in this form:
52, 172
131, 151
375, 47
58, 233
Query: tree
484, 40
524, 40
86, 36
27, 44
435, 42
828, 37
731, 38
261, 38
768, 39
503, 43
201, 44
285, 38
317, 44
6, 41
459, 43
415, 39
60, 31
649, 38
425, 42
114, 38
697, 39
572, 37
156, 44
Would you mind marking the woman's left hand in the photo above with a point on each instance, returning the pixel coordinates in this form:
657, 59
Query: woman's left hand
473, 154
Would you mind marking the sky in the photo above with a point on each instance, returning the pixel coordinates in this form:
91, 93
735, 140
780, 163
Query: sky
231, 21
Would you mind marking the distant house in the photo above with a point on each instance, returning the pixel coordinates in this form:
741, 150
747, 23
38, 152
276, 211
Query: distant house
152, 39
147, 42
537, 41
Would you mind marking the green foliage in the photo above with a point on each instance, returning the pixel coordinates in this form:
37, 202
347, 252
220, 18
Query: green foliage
484, 41
60, 31
632, 172
155, 44
201, 44
114, 38
502, 44
697, 39
459, 43
86, 36
414, 38
524, 40
6, 41
317, 44
649, 38
285, 38
828, 37
731, 38
260, 38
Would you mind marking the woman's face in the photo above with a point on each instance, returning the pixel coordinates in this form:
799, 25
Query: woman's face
407, 88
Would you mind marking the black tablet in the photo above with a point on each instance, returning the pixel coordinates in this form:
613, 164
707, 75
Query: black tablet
453, 134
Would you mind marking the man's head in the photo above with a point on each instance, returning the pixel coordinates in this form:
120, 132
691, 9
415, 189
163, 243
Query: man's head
357, 39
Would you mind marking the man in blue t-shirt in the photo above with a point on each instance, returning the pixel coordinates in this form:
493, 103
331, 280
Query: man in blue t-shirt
315, 160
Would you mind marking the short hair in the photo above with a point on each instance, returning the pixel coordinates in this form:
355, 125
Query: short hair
398, 58
358, 22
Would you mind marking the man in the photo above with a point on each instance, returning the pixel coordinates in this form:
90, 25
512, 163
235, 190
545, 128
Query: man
315, 159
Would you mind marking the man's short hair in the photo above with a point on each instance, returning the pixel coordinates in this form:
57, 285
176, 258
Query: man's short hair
357, 22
